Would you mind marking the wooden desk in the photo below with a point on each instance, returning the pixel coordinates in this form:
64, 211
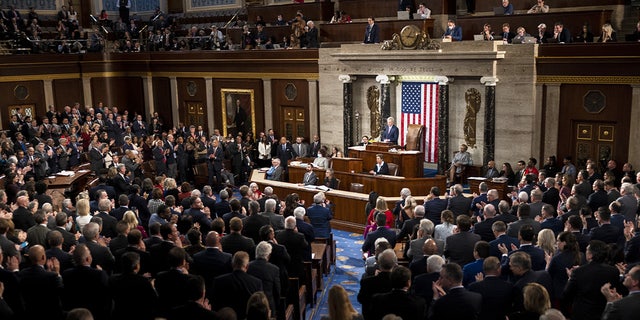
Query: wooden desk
354, 31
387, 186
348, 208
410, 163
346, 164
319, 262
502, 187
64, 182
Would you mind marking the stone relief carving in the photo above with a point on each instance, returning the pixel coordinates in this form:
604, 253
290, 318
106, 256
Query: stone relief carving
373, 102
473, 99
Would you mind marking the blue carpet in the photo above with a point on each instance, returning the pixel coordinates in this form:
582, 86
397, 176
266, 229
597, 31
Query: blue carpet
347, 272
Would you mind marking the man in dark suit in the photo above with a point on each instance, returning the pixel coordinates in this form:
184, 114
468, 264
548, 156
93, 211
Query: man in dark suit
78, 278
212, 262
303, 227
310, 178
382, 231
549, 221
120, 241
314, 146
524, 218
627, 308
537, 255
96, 158
277, 220
223, 206
279, 256
41, 290
452, 300
599, 196
520, 267
296, 247
583, 186
390, 132
38, 233
171, 283
193, 309
499, 231
552, 195
22, 217
284, 152
372, 34
434, 205
458, 248
605, 231
139, 127
102, 185
255, 221
380, 283
100, 254
235, 241
108, 222
234, 212
234, 289
497, 294
123, 202
276, 171
69, 239
121, 182
140, 203
215, 156
483, 228
458, 203
560, 34
54, 243
320, 216
268, 273
381, 167
398, 301
585, 282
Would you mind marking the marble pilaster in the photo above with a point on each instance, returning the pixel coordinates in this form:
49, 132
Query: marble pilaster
313, 108
175, 113
634, 131
489, 148
268, 104
443, 125
48, 93
86, 91
210, 107
552, 116
385, 98
347, 123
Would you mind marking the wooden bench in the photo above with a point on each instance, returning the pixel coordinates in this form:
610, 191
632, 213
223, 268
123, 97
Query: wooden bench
312, 274
297, 298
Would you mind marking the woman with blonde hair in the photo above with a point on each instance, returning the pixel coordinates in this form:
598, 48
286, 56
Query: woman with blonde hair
547, 242
130, 218
536, 303
409, 206
608, 34
340, 307
83, 214
381, 208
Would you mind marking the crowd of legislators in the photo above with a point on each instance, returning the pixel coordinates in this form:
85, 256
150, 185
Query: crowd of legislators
208, 250
566, 243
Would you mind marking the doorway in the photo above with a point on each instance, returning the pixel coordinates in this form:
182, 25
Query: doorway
593, 140
293, 122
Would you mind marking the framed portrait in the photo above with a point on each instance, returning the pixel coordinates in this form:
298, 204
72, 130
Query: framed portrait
238, 111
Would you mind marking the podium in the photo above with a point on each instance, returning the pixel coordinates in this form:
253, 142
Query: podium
346, 164
410, 163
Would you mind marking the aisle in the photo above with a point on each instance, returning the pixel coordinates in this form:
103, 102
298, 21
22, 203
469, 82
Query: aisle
347, 272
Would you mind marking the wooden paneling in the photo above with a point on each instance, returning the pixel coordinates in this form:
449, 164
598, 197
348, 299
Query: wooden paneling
316, 11
596, 61
192, 101
280, 101
248, 84
482, 6
122, 92
617, 112
35, 97
573, 21
354, 32
162, 100
66, 92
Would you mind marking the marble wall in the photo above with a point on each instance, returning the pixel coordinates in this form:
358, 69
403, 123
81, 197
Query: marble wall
465, 64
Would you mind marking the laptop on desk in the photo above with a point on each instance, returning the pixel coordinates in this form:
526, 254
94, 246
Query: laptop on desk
498, 11
403, 15
419, 16
530, 40
478, 37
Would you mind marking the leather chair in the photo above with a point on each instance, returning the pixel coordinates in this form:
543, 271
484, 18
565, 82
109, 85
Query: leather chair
393, 169
356, 187
338, 184
414, 137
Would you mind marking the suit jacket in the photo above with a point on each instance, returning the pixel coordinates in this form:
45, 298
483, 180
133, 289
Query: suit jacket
459, 205
502, 239
210, 264
102, 256
251, 226
320, 217
583, 289
108, 225
458, 303
23, 219
537, 256
296, 246
11, 294
433, 208
551, 196
38, 235
134, 298
301, 149
497, 295
277, 175
234, 242
269, 274
120, 185
381, 232
118, 212
77, 280
384, 169
421, 286
315, 147
41, 291
390, 133
380, 283
277, 220
233, 290
552, 223
372, 35
483, 229
458, 247
191, 310
285, 155
171, 286
65, 258
310, 178
514, 227
626, 308
97, 160
607, 233
400, 303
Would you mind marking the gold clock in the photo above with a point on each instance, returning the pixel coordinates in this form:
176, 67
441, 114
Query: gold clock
409, 36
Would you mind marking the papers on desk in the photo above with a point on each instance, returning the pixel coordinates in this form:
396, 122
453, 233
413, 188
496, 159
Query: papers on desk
500, 179
321, 188
65, 173
313, 256
83, 171
361, 148
263, 170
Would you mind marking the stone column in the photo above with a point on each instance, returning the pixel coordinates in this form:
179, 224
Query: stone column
385, 98
209, 106
48, 93
175, 102
489, 148
86, 91
443, 124
313, 108
347, 111
634, 131
268, 106
552, 116
147, 86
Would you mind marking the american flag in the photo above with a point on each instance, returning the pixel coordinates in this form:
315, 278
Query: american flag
420, 106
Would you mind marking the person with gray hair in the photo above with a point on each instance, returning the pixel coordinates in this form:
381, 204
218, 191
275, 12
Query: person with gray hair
458, 203
422, 285
100, 253
276, 219
380, 283
425, 232
254, 221
409, 226
269, 273
628, 201
303, 227
108, 221
320, 216
298, 248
